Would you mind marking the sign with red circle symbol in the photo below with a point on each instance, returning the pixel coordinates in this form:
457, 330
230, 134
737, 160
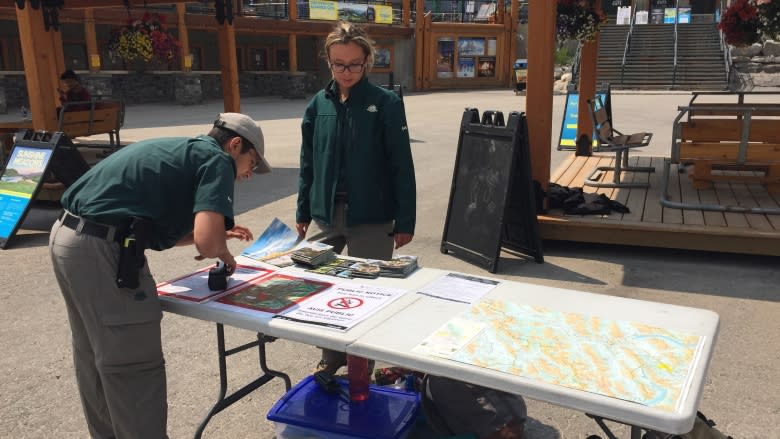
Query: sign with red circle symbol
345, 303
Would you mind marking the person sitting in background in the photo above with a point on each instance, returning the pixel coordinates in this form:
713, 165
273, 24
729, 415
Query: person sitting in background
71, 90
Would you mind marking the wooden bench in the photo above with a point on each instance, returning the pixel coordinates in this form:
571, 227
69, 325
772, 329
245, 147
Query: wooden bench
78, 119
723, 138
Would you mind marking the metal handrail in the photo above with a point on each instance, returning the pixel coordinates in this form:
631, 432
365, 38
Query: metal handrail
627, 46
676, 20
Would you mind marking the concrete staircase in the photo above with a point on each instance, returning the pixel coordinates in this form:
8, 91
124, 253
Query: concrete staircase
650, 59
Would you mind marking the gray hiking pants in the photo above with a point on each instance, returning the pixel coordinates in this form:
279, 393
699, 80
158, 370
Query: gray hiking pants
117, 351
370, 241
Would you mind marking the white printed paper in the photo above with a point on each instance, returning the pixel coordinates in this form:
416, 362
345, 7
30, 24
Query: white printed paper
459, 288
342, 306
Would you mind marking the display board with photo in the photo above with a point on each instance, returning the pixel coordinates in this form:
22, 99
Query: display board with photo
465, 67
471, 46
491, 47
383, 61
486, 67
445, 58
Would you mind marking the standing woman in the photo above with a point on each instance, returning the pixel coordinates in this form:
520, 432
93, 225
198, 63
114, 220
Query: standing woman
356, 175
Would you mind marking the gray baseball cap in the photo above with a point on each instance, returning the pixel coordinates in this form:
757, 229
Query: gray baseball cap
247, 128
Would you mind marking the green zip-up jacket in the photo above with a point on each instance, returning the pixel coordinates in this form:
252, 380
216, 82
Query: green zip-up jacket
368, 131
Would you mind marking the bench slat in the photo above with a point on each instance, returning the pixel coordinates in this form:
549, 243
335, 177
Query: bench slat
761, 130
757, 153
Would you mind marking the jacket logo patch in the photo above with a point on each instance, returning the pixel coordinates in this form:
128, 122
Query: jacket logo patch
372, 108
403, 128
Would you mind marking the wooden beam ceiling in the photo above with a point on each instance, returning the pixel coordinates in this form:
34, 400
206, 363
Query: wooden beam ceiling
81, 4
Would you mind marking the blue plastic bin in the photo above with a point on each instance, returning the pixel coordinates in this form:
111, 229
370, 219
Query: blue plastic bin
306, 411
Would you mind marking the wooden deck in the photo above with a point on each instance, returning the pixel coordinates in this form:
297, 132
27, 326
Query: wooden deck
652, 225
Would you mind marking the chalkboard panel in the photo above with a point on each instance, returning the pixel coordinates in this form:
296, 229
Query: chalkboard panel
34, 154
483, 179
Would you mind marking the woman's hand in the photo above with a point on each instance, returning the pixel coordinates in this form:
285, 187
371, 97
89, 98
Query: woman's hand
401, 239
302, 228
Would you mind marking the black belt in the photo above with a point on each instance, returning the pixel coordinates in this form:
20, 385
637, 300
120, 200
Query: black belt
91, 228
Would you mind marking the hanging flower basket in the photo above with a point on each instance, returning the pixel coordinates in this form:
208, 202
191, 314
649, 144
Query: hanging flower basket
769, 15
144, 40
740, 23
578, 20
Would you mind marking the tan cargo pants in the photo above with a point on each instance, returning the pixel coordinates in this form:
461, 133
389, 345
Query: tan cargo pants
117, 350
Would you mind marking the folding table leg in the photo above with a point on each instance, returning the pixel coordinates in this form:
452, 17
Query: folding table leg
636, 432
224, 401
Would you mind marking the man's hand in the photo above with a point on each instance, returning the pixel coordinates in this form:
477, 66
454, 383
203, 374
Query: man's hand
239, 232
302, 228
401, 239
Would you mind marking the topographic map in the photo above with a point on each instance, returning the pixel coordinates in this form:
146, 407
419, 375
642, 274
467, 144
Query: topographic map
620, 359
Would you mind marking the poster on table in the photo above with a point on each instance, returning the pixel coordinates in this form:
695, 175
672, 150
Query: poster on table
194, 287
342, 306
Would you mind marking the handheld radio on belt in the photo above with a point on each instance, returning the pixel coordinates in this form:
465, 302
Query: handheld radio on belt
131, 252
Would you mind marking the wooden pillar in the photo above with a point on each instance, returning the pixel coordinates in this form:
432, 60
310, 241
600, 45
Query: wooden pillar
184, 37
292, 50
587, 90
431, 50
406, 12
419, 45
90, 37
40, 66
500, 8
292, 39
513, 27
589, 53
292, 8
542, 15
229, 67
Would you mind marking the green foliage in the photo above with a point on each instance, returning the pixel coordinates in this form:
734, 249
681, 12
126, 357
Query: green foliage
563, 57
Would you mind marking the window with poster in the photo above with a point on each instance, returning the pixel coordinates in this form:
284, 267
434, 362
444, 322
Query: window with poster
445, 58
383, 61
258, 58
282, 59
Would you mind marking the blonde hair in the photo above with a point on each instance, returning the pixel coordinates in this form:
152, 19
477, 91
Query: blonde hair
345, 33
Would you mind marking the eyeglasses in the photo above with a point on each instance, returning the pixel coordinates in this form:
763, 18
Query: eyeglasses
353, 68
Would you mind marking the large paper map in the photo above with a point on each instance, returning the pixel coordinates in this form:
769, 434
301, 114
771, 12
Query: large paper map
621, 359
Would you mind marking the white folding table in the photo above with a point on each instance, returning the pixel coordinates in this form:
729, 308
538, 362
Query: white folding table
390, 334
392, 341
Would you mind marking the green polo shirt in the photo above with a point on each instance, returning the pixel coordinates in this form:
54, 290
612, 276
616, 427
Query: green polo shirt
166, 180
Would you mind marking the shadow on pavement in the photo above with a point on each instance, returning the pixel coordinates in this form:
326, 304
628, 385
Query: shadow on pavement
679, 271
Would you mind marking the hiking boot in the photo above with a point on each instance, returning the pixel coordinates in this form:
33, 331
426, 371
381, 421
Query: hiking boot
331, 362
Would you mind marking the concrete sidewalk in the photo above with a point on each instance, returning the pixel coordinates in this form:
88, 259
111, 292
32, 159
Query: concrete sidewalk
39, 399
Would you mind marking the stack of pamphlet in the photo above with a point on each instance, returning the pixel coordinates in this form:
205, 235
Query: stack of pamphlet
399, 266
367, 270
313, 254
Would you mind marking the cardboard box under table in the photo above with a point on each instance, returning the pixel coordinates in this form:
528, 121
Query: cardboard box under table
307, 411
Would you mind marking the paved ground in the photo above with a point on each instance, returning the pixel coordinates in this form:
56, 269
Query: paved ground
38, 397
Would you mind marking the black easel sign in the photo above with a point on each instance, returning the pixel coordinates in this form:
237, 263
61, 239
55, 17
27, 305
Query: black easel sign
490, 186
